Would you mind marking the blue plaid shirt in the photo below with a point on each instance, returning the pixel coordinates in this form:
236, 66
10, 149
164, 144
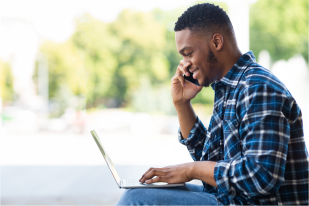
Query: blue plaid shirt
256, 137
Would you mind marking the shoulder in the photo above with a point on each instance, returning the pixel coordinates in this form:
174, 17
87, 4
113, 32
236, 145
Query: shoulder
257, 76
260, 90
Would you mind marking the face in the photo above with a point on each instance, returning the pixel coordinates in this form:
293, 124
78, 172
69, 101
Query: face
197, 52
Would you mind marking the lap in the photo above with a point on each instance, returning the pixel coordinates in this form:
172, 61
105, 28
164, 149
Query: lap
189, 194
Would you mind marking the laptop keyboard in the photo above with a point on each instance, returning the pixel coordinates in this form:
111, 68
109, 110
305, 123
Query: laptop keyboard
130, 182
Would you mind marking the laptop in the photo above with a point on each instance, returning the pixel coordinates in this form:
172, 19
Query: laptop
126, 183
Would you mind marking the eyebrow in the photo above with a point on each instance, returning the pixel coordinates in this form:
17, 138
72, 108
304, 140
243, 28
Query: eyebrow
183, 49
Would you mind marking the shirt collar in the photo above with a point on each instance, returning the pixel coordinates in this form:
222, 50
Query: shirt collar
232, 77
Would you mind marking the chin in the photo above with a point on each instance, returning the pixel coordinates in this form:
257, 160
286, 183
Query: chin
205, 83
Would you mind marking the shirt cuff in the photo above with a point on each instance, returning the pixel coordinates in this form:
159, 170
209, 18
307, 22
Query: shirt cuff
196, 134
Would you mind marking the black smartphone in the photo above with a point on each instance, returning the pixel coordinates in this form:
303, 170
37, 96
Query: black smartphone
190, 79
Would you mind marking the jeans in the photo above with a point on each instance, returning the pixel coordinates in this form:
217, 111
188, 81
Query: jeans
189, 194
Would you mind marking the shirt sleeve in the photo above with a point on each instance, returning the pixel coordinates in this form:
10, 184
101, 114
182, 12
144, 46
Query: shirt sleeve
264, 133
195, 140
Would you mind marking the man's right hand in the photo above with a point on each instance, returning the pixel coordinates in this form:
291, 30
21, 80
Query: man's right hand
182, 90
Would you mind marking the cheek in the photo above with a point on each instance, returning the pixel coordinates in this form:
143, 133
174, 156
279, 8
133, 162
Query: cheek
196, 62
203, 67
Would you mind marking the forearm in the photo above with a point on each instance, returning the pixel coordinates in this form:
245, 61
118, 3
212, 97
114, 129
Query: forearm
204, 171
186, 117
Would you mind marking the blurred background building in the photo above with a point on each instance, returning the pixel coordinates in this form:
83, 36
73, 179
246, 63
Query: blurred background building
67, 67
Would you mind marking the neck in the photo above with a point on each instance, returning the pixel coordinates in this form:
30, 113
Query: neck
230, 58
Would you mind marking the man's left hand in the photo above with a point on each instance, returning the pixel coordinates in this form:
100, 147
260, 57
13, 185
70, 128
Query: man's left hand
171, 174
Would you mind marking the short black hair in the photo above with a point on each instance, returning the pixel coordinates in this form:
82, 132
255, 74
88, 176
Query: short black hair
204, 18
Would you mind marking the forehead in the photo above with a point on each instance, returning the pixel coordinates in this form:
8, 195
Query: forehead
185, 38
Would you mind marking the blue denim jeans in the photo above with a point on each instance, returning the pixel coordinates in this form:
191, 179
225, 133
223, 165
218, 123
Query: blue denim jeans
189, 194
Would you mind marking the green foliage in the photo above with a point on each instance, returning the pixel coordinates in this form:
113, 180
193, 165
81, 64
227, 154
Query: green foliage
140, 56
96, 46
118, 55
206, 96
152, 99
67, 76
280, 27
168, 19
6, 83
64, 68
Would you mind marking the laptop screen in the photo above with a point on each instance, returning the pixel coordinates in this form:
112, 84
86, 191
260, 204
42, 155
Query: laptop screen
106, 157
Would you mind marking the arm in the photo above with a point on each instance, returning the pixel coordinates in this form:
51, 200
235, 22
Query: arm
195, 140
192, 132
186, 117
265, 132
204, 170
182, 93
201, 170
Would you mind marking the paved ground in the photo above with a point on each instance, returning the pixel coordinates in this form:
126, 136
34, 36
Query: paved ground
55, 185
67, 201
68, 169
62, 185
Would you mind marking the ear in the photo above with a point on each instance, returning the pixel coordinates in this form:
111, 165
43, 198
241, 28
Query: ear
217, 41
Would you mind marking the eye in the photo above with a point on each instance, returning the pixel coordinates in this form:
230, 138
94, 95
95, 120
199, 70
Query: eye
188, 55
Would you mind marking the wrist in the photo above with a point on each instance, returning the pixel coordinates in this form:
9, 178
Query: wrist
182, 104
204, 171
191, 170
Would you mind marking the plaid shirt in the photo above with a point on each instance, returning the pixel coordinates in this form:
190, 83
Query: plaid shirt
256, 137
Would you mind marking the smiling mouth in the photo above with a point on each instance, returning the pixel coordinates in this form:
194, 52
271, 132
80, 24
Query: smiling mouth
193, 71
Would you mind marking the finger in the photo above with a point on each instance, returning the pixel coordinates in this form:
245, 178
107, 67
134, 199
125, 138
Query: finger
185, 68
157, 179
178, 78
146, 173
152, 173
185, 63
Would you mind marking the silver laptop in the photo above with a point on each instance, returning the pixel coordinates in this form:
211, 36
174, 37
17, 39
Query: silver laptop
126, 183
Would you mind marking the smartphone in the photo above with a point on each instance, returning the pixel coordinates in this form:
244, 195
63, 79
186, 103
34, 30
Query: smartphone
190, 79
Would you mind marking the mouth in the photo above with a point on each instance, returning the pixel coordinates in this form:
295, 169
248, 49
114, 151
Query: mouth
194, 72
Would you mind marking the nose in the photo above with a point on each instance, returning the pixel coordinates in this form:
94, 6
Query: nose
187, 63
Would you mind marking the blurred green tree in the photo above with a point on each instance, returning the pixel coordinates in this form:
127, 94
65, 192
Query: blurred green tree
141, 53
96, 46
280, 27
64, 68
66, 75
118, 55
6, 83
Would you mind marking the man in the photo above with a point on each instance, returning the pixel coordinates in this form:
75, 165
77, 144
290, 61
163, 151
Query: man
254, 150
